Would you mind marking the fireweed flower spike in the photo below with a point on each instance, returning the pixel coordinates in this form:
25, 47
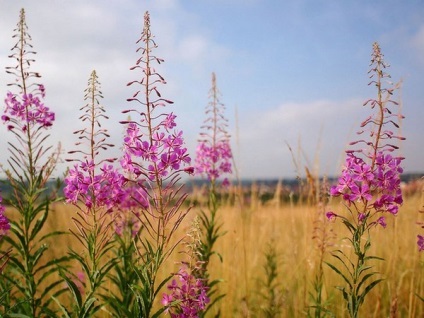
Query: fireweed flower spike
96, 189
30, 165
213, 154
154, 156
370, 183
213, 160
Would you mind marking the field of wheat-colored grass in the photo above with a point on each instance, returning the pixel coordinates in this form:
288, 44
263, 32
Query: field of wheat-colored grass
290, 228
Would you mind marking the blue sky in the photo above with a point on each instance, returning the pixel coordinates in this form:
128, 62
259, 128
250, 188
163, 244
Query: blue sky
295, 71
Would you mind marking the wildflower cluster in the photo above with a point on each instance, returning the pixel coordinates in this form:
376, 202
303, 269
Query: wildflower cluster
213, 161
103, 189
100, 190
188, 297
370, 186
30, 111
375, 181
4, 222
378, 187
164, 151
213, 153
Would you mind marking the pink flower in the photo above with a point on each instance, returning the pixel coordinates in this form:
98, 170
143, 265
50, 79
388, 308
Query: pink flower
379, 186
4, 222
82, 184
331, 216
30, 110
420, 243
213, 153
190, 295
382, 221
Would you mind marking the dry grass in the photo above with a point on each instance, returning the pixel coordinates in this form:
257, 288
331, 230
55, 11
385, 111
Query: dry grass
249, 229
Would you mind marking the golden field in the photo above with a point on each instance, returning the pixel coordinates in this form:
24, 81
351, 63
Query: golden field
291, 228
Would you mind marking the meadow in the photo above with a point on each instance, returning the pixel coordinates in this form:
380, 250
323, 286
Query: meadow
291, 228
125, 237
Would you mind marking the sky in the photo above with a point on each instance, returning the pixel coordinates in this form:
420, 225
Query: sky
292, 74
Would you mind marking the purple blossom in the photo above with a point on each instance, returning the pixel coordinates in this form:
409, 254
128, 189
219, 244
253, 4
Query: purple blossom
189, 292
213, 153
28, 111
162, 155
420, 243
169, 123
213, 160
330, 215
362, 217
378, 187
382, 221
105, 189
4, 222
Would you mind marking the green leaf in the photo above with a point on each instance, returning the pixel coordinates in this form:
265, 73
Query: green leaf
419, 297
344, 264
64, 310
38, 254
74, 290
55, 233
368, 289
38, 225
373, 257
162, 284
159, 312
88, 309
363, 280
334, 268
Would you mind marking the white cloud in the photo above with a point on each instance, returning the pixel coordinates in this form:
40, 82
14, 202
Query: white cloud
324, 126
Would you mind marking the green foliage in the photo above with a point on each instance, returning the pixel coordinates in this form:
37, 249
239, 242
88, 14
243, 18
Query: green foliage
356, 273
319, 307
211, 231
124, 276
146, 291
271, 289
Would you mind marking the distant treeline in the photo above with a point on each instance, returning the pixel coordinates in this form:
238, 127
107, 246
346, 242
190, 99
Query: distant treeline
191, 183
292, 183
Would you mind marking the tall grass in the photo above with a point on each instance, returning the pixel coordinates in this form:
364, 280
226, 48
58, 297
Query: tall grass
292, 229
